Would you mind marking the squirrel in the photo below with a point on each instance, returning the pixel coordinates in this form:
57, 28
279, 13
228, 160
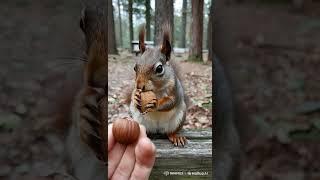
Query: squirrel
84, 145
157, 73
227, 153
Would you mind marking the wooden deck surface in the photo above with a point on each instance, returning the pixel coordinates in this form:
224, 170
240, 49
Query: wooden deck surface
193, 161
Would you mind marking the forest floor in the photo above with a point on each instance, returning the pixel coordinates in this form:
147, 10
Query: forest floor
274, 61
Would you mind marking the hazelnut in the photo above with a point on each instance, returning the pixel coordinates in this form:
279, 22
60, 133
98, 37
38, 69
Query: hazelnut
126, 130
148, 100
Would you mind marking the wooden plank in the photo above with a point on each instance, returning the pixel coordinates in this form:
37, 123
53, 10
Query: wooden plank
193, 161
195, 148
182, 168
190, 134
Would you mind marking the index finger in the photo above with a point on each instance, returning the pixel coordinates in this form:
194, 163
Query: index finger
143, 132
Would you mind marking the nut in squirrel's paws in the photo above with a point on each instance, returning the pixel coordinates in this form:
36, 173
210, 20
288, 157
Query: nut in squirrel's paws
148, 102
145, 101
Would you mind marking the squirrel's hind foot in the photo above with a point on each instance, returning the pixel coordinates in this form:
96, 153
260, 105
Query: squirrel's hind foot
177, 140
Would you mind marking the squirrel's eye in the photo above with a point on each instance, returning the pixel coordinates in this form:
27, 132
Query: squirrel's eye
159, 69
135, 68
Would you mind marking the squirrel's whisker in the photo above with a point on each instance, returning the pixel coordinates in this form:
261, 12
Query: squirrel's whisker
59, 66
73, 58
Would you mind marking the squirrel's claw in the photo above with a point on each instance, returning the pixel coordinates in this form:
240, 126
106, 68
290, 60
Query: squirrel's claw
137, 100
89, 123
151, 106
177, 140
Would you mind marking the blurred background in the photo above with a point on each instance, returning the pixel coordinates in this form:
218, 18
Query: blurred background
271, 51
39, 45
144, 12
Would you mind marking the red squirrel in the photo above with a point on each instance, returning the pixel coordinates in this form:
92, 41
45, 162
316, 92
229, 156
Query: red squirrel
155, 72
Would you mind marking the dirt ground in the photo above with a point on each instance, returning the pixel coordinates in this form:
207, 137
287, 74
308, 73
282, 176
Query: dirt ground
273, 57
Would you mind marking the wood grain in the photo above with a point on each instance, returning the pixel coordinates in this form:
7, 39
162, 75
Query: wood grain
179, 162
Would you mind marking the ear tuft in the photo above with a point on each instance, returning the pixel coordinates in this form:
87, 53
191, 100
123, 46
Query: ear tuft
142, 46
165, 47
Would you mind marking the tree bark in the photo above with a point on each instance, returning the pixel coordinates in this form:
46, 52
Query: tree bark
184, 23
112, 48
120, 25
148, 19
163, 14
195, 52
130, 21
210, 32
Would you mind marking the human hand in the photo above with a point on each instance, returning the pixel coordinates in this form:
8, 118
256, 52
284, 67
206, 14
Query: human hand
134, 161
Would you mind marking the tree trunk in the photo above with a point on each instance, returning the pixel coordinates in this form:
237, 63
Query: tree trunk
130, 22
210, 32
195, 52
163, 14
184, 23
112, 48
148, 18
120, 25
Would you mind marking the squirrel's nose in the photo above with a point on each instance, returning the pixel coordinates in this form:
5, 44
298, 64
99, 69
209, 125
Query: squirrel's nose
141, 83
142, 87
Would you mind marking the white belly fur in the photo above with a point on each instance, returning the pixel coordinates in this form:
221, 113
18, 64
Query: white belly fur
160, 122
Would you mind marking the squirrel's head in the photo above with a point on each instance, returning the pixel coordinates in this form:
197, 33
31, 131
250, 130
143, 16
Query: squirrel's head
153, 70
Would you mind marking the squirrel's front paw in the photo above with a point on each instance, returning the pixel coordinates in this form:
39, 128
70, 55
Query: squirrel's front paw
89, 122
137, 100
149, 102
150, 106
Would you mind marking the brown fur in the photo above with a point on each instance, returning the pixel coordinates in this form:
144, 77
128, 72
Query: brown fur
165, 84
144, 70
142, 46
86, 142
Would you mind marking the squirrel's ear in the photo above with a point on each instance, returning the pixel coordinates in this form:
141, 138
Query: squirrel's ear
142, 46
165, 47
